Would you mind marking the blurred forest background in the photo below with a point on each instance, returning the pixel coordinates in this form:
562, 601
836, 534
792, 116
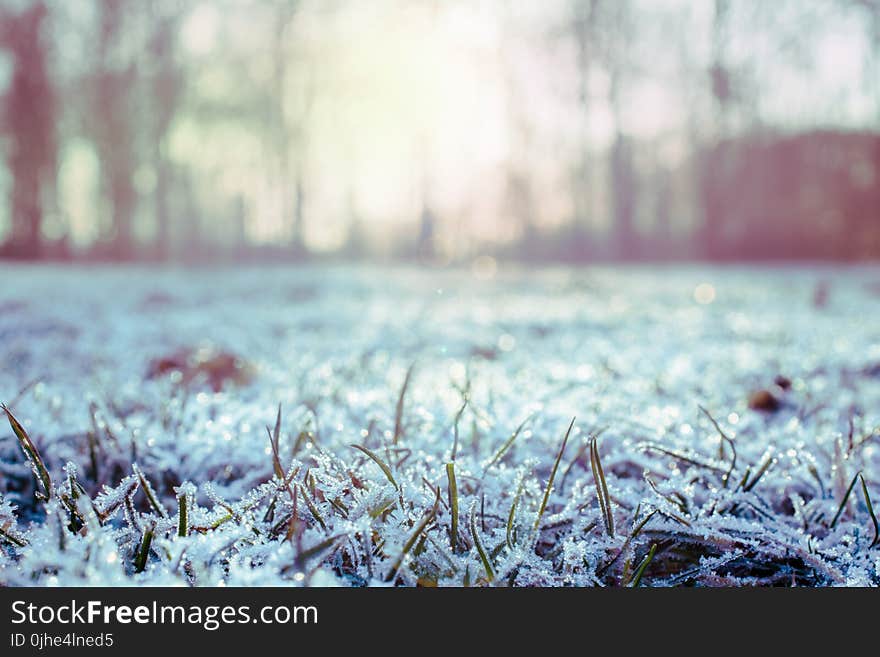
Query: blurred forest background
440, 130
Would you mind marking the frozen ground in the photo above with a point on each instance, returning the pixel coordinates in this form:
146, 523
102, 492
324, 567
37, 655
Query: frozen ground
632, 353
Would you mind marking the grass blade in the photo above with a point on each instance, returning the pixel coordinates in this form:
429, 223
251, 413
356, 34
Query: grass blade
844, 500
490, 573
149, 492
221, 520
637, 578
553, 475
17, 542
182, 515
577, 457
511, 517
317, 549
453, 505
724, 438
378, 510
508, 443
274, 438
382, 465
31, 454
601, 487
629, 539
398, 413
140, 559
684, 458
429, 517
870, 506
760, 473
24, 390
455, 429
312, 508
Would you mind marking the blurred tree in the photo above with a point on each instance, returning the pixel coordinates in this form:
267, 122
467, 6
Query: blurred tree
616, 33
713, 194
584, 23
136, 78
356, 242
519, 204
518, 196
662, 233
193, 241
288, 127
111, 120
425, 248
819, 186
166, 90
29, 120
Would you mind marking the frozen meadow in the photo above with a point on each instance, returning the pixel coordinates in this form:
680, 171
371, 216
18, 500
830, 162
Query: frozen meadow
722, 419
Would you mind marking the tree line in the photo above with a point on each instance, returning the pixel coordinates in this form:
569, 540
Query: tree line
747, 188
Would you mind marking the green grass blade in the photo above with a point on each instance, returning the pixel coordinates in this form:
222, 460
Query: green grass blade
870, 506
581, 451
221, 520
182, 515
24, 390
398, 413
312, 508
455, 428
31, 454
453, 505
760, 473
637, 578
140, 559
553, 475
382, 465
601, 487
16, 541
149, 492
508, 443
844, 500
511, 517
381, 508
629, 539
426, 520
317, 549
274, 438
744, 479
490, 573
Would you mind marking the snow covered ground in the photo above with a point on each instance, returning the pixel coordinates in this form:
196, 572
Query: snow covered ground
107, 367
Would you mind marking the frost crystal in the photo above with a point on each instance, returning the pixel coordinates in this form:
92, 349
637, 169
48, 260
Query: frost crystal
163, 479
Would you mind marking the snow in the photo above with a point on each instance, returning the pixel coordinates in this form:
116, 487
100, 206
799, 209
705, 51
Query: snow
630, 352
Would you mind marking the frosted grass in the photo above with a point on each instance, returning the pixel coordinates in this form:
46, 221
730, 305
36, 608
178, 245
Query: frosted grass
632, 353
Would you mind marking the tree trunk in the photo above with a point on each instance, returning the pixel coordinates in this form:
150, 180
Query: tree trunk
163, 220
30, 115
299, 218
123, 198
27, 213
623, 190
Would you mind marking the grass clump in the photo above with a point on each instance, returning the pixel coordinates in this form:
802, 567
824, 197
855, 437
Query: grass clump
316, 512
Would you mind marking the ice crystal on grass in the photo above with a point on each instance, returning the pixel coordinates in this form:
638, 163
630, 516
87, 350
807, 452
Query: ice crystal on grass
463, 469
9, 534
